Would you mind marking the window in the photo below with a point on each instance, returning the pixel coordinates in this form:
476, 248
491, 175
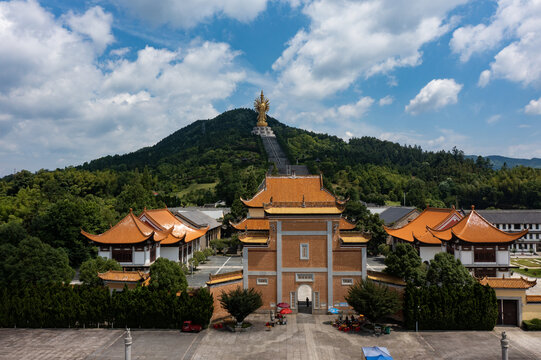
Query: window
262, 281
347, 281
302, 277
305, 255
122, 254
516, 226
104, 248
484, 254
480, 273
153, 253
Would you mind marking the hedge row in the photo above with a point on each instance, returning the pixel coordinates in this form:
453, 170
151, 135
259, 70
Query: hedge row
450, 307
84, 306
532, 325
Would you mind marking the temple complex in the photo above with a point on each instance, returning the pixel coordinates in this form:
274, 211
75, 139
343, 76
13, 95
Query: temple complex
136, 242
479, 245
297, 245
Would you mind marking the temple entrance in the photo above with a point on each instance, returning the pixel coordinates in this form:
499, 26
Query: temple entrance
508, 312
304, 293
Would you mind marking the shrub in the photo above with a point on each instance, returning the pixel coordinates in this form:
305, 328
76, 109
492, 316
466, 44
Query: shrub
373, 300
199, 256
194, 262
241, 302
532, 325
208, 252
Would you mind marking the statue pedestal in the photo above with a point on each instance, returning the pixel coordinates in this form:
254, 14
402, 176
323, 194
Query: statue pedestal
263, 131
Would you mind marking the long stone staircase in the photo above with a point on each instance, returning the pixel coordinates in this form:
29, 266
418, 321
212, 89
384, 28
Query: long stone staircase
277, 156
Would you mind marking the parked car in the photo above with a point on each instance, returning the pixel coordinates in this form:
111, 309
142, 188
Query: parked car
187, 326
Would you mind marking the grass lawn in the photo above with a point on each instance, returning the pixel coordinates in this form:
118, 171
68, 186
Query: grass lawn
193, 187
392, 203
527, 262
530, 272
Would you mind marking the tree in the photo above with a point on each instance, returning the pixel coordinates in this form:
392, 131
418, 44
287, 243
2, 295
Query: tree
167, 275
33, 262
444, 269
88, 272
404, 262
373, 300
200, 256
241, 302
370, 223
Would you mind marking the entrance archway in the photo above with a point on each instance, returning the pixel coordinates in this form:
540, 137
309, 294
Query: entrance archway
304, 292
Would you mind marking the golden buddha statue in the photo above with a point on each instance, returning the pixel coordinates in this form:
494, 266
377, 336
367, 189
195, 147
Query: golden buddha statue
261, 105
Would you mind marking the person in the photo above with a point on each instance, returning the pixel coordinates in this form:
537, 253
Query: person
307, 302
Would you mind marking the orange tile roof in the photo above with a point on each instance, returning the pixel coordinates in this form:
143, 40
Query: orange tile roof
475, 229
417, 228
385, 278
164, 219
354, 237
251, 224
129, 230
346, 225
533, 298
291, 189
124, 276
225, 277
507, 283
254, 237
303, 210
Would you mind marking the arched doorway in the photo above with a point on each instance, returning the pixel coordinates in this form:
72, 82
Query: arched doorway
304, 292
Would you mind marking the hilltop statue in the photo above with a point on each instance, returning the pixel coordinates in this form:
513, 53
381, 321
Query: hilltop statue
261, 105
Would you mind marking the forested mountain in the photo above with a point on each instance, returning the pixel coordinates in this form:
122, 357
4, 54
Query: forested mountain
219, 159
499, 161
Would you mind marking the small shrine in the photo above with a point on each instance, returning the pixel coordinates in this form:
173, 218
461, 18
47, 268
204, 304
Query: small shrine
261, 105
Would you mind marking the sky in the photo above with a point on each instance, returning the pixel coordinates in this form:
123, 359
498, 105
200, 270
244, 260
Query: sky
84, 79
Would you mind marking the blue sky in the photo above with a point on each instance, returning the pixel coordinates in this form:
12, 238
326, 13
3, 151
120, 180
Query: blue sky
84, 79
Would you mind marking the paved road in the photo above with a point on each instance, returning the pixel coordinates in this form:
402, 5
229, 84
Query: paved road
375, 263
215, 265
305, 337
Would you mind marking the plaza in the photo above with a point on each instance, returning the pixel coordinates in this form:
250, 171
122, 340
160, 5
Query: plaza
305, 337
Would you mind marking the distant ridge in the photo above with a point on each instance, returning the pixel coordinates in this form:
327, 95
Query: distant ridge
498, 161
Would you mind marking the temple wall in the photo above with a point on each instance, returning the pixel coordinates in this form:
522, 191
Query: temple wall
502, 257
317, 251
216, 290
350, 260
268, 292
138, 257
427, 253
170, 253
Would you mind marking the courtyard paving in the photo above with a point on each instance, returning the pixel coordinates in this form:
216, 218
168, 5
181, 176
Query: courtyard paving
214, 265
305, 337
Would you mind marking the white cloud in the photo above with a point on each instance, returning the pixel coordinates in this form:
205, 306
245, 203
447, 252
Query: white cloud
516, 26
533, 107
387, 100
494, 119
94, 23
350, 39
59, 105
188, 13
435, 95
484, 78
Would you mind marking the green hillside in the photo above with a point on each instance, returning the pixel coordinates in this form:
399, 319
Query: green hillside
218, 159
